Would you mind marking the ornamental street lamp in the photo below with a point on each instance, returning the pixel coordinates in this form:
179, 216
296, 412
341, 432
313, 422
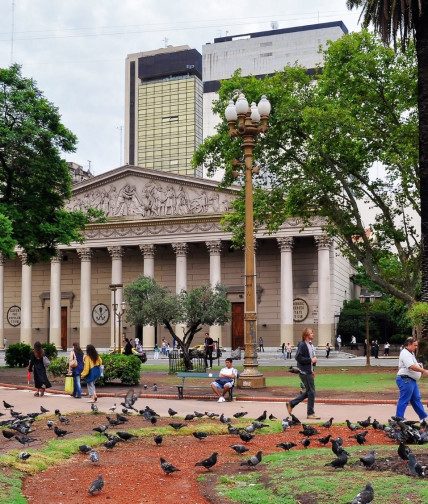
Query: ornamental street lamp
245, 122
113, 288
367, 299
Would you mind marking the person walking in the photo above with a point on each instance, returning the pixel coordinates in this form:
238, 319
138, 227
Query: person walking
306, 360
127, 350
209, 347
91, 371
339, 342
289, 350
283, 354
75, 368
37, 366
156, 352
409, 373
327, 350
386, 349
261, 347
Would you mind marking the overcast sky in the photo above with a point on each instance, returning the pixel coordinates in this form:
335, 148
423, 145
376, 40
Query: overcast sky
75, 50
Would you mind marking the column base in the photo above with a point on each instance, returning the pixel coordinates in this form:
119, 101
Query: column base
251, 382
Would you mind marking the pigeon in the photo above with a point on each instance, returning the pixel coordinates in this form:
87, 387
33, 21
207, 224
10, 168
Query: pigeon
167, 467
153, 420
200, 435
145, 386
189, 417
24, 455
364, 497
272, 417
328, 424
368, 460
246, 436
208, 462
94, 456
365, 423
415, 468
285, 424
113, 437
112, 421
112, 408
125, 411
286, 446
352, 426
250, 428
360, 437
63, 419
7, 405
210, 414
233, 430
85, 448
130, 399
294, 420
158, 439
7, 434
177, 425
339, 462
324, 440
308, 430
306, 442
253, 461
100, 429
25, 440
94, 408
44, 410
224, 419
240, 414
121, 418
198, 414
262, 417
50, 424
126, 436
110, 444
403, 451
60, 432
97, 485
155, 387
171, 412
239, 448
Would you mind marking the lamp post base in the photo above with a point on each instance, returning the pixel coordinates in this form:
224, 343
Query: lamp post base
251, 381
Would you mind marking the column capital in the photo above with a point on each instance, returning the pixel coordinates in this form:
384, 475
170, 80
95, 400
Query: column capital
57, 258
116, 252
22, 255
214, 247
323, 241
85, 253
180, 249
148, 250
2, 259
286, 243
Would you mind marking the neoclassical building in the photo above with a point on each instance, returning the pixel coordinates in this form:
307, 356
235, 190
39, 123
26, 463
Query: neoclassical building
168, 226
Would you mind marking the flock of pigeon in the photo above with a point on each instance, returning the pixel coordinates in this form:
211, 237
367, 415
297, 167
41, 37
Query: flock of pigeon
20, 428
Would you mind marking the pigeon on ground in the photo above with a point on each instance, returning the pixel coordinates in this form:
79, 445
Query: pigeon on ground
167, 467
25, 440
360, 437
324, 440
100, 429
240, 414
211, 415
110, 444
224, 419
113, 437
171, 412
285, 424
352, 426
286, 446
61, 432
155, 387
253, 461
403, 451
153, 420
44, 410
126, 436
50, 424
233, 430
94, 408
177, 425
306, 442
328, 424
308, 430
262, 417
239, 448
24, 455
158, 439
198, 414
415, 468
84, 448
97, 485
294, 420
112, 408
246, 436
8, 434
63, 419
368, 460
364, 497
121, 418
339, 462
272, 417
94, 456
112, 421
189, 417
377, 426
365, 423
200, 435
7, 405
208, 462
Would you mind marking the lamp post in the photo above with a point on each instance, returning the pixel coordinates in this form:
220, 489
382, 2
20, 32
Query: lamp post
367, 306
119, 315
244, 121
113, 288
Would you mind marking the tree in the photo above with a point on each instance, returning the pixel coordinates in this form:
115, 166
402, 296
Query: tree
34, 181
408, 19
152, 304
319, 150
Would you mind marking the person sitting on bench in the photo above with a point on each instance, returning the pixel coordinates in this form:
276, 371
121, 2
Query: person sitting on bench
225, 380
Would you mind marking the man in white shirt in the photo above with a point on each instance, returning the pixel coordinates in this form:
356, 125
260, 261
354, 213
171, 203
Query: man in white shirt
225, 380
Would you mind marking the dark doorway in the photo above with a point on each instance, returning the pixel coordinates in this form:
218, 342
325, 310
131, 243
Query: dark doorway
64, 327
238, 325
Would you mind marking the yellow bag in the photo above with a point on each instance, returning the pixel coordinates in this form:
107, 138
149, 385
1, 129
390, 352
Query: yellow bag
69, 384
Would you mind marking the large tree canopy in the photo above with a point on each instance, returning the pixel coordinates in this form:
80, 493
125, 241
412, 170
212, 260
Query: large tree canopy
153, 304
34, 180
320, 148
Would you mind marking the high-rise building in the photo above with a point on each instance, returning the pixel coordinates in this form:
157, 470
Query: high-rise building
163, 109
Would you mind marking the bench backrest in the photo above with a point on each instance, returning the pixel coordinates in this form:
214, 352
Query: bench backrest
190, 374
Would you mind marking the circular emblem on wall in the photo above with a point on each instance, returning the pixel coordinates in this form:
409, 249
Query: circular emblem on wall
14, 316
100, 314
300, 310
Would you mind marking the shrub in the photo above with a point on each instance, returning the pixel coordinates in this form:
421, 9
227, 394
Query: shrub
18, 355
50, 351
398, 339
59, 366
123, 367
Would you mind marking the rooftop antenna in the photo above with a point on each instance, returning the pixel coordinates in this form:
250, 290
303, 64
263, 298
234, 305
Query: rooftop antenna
13, 32
89, 165
165, 41
274, 25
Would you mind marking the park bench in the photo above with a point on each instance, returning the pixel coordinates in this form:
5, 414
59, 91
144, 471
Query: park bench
190, 374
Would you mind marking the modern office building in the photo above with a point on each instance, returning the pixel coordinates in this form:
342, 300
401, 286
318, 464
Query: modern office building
163, 109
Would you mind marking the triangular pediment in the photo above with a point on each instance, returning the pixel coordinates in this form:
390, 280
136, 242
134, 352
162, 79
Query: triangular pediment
135, 192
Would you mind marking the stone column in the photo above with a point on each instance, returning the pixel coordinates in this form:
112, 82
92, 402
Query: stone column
2, 261
148, 252
55, 302
85, 255
180, 250
286, 299
323, 243
26, 301
116, 254
214, 248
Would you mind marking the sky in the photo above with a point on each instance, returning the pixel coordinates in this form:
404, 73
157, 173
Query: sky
75, 50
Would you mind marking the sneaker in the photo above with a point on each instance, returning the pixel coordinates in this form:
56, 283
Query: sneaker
314, 417
221, 399
289, 407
